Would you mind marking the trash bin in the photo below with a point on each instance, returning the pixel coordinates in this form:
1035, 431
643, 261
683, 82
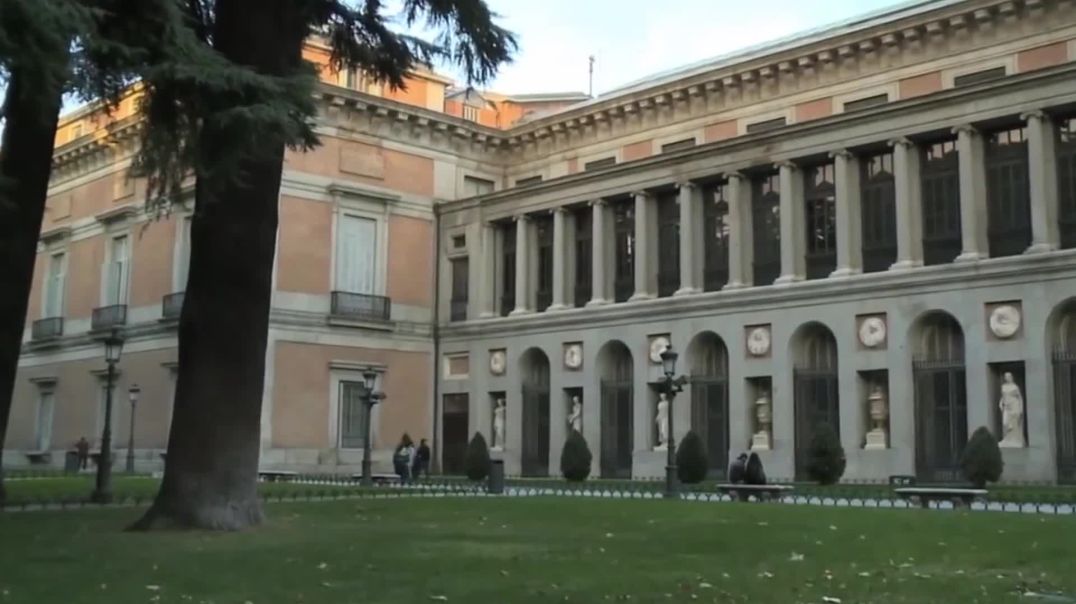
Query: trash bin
71, 462
496, 477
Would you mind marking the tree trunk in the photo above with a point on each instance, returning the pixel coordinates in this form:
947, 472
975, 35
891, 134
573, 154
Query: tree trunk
31, 111
210, 476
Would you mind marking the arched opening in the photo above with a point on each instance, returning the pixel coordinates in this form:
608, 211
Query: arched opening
941, 406
815, 388
710, 398
534, 371
616, 375
1062, 339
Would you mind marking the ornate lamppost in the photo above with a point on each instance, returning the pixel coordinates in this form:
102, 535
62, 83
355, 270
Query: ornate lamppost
132, 394
672, 386
102, 492
370, 398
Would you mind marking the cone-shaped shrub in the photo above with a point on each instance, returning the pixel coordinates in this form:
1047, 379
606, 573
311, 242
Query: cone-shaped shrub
476, 462
981, 460
825, 456
691, 459
575, 458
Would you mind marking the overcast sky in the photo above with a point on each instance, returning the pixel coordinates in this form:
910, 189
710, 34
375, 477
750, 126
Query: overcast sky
631, 39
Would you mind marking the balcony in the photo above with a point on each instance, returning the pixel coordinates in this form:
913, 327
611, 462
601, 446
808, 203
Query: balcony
108, 317
171, 306
47, 329
360, 307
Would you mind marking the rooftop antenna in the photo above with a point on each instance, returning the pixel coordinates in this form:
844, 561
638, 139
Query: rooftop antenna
590, 91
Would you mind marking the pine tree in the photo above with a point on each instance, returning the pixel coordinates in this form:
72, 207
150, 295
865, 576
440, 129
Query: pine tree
981, 460
825, 456
692, 461
476, 461
575, 458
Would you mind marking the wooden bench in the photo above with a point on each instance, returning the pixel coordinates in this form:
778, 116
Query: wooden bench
381, 478
960, 497
37, 458
277, 475
761, 492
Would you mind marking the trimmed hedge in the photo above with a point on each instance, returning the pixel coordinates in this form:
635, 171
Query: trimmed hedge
575, 458
981, 461
692, 461
476, 463
825, 456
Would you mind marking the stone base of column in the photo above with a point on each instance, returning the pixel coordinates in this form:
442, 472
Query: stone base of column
520, 311
641, 296
1041, 248
597, 302
788, 279
846, 271
905, 265
687, 291
971, 257
486, 315
556, 307
734, 285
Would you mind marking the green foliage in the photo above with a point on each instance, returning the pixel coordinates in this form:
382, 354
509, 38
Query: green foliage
476, 462
575, 458
825, 456
691, 459
981, 461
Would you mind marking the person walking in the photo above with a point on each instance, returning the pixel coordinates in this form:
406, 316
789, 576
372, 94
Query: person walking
82, 449
401, 458
422, 461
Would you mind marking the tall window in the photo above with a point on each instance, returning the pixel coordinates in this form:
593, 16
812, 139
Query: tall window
460, 281
624, 254
470, 113
583, 255
46, 405
1008, 197
668, 244
821, 220
715, 241
543, 227
508, 268
118, 271
1066, 176
183, 255
352, 415
356, 254
54, 287
472, 186
766, 228
940, 174
878, 213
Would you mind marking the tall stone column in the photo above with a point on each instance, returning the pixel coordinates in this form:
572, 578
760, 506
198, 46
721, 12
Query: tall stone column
645, 251
909, 204
793, 264
524, 304
599, 247
487, 267
560, 272
848, 204
740, 241
691, 234
1042, 177
972, 161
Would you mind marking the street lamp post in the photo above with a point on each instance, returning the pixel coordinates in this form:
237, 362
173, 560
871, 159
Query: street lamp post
370, 398
102, 492
672, 387
132, 395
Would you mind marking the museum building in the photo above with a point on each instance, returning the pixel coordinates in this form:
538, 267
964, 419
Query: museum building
870, 226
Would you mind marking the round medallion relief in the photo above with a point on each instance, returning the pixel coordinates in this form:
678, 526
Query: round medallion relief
497, 362
657, 346
1005, 321
573, 356
758, 341
872, 332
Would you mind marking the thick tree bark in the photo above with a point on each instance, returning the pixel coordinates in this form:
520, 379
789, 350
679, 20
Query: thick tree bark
31, 112
210, 477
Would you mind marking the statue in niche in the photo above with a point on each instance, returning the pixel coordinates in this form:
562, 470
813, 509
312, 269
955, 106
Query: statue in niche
662, 422
878, 437
1011, 405
764, 417
575, 418
498, 425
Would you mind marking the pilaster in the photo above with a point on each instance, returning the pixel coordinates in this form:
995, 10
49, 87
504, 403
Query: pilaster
487, 267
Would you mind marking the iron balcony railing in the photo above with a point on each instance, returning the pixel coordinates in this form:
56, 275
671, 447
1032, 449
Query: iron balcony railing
108, 317
47, 329
172, 305
361, 306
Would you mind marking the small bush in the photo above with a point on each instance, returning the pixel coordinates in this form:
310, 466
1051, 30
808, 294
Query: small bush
825, 456
575, 458
981, 460
476, 463
691, 459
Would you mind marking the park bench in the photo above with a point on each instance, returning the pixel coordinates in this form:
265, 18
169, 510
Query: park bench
960, 497
380, 478
38, 457
277, 475
761, 492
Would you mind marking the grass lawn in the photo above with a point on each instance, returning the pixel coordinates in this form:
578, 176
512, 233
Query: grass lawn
497, 550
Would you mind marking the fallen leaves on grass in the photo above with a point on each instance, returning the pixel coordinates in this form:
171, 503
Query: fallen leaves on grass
794, 557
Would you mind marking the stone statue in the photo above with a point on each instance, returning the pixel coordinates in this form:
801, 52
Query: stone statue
498, 425
878, 437
575, 418
662, 421
1012, 413
763, 415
